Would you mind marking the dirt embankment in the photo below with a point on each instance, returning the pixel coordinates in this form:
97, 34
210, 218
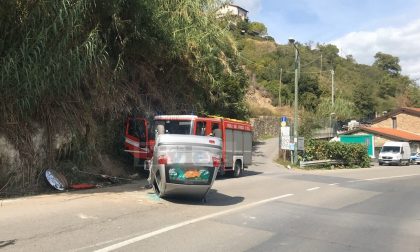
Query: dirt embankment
260, 104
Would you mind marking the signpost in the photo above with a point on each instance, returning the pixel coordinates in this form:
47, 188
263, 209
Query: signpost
285, 138
283, 121
301, 143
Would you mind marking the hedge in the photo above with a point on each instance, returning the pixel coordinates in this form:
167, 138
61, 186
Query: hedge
352, 155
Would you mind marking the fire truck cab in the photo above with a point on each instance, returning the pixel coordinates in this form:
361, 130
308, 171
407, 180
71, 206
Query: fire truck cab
236, 137
139, 139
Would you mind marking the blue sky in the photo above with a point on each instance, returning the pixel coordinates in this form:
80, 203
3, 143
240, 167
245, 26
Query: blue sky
360, 28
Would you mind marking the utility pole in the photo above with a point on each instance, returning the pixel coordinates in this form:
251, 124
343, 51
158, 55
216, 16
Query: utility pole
320, 72
296, 119
332, 87
281, 73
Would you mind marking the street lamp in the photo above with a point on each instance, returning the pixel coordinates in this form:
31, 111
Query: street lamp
295, 119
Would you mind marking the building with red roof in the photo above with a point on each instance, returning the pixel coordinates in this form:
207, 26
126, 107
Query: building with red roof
401, 125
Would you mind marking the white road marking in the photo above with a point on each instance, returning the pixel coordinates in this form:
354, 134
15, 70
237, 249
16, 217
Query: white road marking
313, 188
382, 178
185, 223
334, 184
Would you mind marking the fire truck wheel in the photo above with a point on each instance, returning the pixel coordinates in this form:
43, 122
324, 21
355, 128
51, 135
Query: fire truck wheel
237, 172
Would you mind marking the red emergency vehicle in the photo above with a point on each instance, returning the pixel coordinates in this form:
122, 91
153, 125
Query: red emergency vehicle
235, 134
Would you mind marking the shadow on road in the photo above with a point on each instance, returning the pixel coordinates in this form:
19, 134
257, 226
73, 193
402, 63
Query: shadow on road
247, 173
255, 147
214, 198
256, 144
258, 163
7, 243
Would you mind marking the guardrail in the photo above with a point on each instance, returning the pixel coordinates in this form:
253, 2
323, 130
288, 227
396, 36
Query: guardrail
319, 162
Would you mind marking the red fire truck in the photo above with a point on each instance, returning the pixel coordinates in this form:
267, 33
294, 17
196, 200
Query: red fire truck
236, 136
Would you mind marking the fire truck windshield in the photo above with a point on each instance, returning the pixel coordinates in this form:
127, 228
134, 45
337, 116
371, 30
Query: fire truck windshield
183, 127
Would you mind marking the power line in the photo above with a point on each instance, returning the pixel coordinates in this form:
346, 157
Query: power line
270, 67
309, 63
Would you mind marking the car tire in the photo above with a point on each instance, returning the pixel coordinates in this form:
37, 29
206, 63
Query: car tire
156, 184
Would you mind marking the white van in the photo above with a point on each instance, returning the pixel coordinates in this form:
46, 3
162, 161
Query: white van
395, 153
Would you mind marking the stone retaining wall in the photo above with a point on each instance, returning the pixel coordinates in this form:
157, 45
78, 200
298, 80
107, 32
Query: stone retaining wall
265, 126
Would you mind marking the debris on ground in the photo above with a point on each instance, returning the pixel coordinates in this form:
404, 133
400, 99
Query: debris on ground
82, 186
134, 176
56, 180
59, 182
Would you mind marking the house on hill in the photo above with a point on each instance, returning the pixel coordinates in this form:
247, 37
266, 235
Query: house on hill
235, 10
401, 125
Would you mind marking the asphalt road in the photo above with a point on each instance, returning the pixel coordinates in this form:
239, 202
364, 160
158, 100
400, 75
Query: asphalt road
270, 209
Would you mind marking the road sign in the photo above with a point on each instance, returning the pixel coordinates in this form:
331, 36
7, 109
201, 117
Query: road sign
301, 143
283, 121
292, 146
285, 131
285, 142
285, 138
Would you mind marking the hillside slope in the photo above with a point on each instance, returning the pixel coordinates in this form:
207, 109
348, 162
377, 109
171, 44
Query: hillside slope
71, 78
360, 90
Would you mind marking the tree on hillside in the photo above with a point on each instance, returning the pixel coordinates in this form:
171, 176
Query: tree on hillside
364, 100
258, 27
242, 25
329, 53
387, 63
387, 86
343, 109
351, 59
309, 91
413, 95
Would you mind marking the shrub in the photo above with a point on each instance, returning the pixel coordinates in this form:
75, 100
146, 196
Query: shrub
350, 154
255, 111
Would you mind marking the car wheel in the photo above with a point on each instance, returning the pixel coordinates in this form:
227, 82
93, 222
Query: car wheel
157, 185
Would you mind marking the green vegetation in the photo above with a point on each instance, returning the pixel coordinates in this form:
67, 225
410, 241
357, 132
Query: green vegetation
360, 90
76, 69
352, 155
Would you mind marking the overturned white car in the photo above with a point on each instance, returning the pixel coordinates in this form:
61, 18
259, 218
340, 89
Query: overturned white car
185, 165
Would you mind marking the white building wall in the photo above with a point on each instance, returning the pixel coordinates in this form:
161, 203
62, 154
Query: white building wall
233, 10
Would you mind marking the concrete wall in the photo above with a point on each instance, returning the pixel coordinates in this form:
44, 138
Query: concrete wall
404, 122
265, 126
